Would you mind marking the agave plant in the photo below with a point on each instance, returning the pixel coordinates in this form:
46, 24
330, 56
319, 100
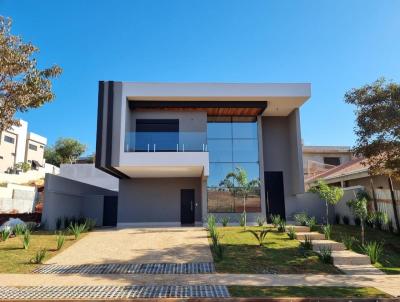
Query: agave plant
325, 254
311, 223
39, 256
301, 218
259, 235
374, 250
307, 243
275, 219
19, 229
76, 229
60, 240
291, 232
5, 234
260, 221
26, 239
90, 224
282, 225
225, 221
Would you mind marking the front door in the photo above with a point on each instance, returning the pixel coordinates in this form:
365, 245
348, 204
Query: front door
187, 206
274, 193
110, 210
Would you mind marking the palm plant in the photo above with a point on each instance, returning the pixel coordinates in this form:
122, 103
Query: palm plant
259, 235
238, 184
359, 208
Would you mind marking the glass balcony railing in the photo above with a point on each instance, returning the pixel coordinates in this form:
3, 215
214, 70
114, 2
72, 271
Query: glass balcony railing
166, 142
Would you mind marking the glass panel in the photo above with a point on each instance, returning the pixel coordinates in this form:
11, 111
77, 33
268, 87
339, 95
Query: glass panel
219, 130
218, 171
253, 202
244, 130
220, 150
252, 169
245, 150
220, 201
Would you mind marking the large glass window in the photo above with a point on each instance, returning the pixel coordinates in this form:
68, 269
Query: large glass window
232, 142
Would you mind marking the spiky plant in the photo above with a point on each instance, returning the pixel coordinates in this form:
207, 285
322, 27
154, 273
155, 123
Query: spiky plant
374, 250
325, 254
39, 256
275, 219
60, 240
260, 221
311, 223
282, 226
26, 239
259, 235
76, 229
19, 229
291, 232
225, 221
307, 243
327, 229
90, 224
5, 234
348, 241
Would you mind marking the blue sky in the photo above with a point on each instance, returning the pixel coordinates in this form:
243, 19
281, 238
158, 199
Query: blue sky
334, 45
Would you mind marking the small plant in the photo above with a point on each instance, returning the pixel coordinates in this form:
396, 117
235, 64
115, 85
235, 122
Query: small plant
26, 239
19, 229
211, 222
58, 223
311, 223
374, 250
346, 220
291, 232
301, 218
260, 221
216, 246
282, 226
259, 235
379, 219
327, 229
348, 241
275, 219
307, 243
337, 218
325, 254
39, 256
242, 219
225, 221
5, 234
76, 229
89, 223
60, 240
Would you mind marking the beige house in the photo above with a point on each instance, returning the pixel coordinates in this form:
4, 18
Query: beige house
17, 145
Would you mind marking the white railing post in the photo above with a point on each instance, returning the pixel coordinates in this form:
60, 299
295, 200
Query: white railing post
177, 147
148, 147
154, 147
183, 147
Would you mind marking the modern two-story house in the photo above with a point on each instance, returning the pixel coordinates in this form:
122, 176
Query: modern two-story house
172, 144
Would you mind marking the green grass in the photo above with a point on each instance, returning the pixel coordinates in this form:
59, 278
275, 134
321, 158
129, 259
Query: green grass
14, 259
309, 291
390, 259
278, 255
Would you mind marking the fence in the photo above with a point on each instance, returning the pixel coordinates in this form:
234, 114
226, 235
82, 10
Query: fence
17, 198
385, 205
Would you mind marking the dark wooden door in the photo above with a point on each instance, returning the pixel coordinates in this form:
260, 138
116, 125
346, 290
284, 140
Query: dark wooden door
274, 193
110, 210
187, 206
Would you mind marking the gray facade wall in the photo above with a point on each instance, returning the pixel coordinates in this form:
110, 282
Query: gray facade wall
68, 198
148, 200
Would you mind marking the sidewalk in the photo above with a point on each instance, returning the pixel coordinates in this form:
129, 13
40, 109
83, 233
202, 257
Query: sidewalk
387, 283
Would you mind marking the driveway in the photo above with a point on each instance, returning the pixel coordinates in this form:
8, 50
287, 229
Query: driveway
138, 245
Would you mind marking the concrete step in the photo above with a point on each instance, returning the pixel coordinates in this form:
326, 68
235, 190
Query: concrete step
298, 228
335, 246
349, 258
365, 269
312, 235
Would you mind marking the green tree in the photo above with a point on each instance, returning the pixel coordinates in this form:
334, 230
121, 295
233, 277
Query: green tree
22, 85
378, 129
359, 208
330, 194
65, 150
238, 184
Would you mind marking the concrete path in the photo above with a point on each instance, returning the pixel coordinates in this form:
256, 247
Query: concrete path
138, 245
387, 283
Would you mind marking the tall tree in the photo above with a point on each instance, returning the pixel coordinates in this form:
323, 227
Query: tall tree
238, 183
378, 129
22, 85
65, 150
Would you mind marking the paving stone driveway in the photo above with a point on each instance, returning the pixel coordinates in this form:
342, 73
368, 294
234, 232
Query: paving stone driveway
138, 245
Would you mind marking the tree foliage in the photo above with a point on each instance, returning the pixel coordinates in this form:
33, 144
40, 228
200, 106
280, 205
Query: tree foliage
358, 206
22, 85
65, 150
378, 125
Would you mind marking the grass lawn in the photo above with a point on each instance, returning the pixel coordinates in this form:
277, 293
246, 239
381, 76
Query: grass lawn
390, 259
309, 291
278, 255
14, 259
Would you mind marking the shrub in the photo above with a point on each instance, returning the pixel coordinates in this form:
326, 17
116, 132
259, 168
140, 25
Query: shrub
260, 221
374, 250
225, 221
301, 218
325, 254
39, 256
211, 222
76, 229
348, 241
357, 221
327, 229
307, 243
291, 232
311, 223
5, 234
242, 219
379, 219
216, 246
89, 223
282, 225
26, 239
337, 219
275, 219
60, 240
58, 223
19, 229
259, 235
346, 220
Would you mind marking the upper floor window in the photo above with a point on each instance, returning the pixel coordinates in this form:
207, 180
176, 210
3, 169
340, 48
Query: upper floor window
41, 146
9, 139
334, 161
33, 147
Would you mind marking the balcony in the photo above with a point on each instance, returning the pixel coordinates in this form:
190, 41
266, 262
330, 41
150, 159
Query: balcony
165, 154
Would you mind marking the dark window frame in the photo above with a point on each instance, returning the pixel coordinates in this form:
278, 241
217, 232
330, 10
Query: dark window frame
9, 139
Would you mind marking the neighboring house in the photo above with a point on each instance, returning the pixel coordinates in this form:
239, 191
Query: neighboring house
17, 145
318, 159
171, 145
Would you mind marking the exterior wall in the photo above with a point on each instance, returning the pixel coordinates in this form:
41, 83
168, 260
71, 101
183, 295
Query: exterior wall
155, 200
37, 154
68, 198
380, 182
7, 151
296, 155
